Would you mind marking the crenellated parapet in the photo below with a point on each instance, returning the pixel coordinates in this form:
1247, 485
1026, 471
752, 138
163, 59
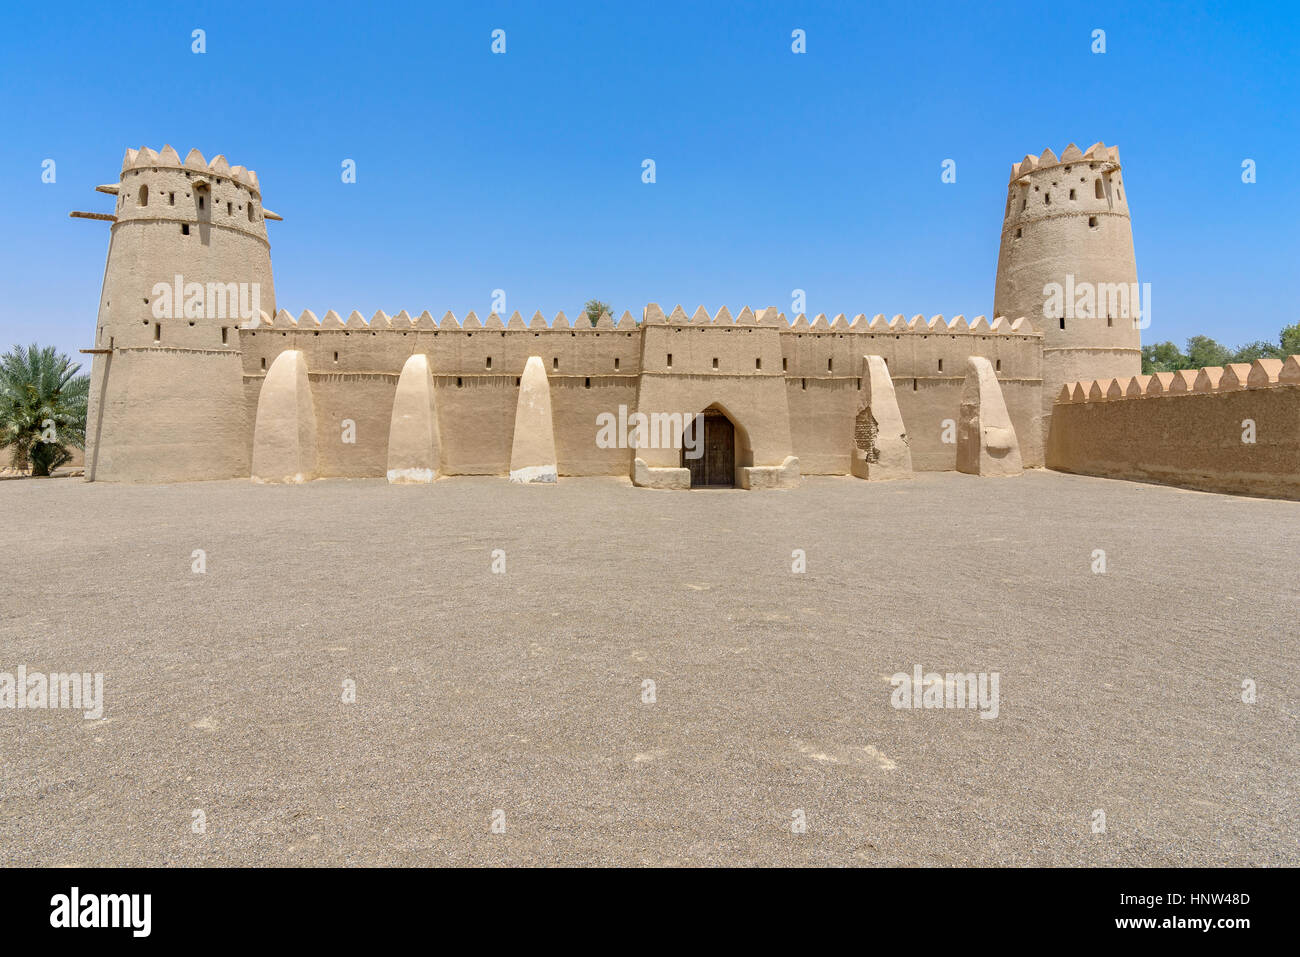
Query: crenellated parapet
193, 192
653, 315
1260, 374
1106, 158
381, 321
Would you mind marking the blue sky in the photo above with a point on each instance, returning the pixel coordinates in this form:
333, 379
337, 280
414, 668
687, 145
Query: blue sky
775, 171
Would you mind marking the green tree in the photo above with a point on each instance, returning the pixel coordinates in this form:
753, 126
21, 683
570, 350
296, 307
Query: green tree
42, 408
1259, 349
1290, 339
1203, 351
1162, 357
594, 308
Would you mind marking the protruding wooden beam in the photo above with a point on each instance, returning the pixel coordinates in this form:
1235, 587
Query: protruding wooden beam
270, 215
110, 188
78, 214
96, 352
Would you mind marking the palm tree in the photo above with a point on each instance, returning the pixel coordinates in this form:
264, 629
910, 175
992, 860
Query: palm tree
42, 408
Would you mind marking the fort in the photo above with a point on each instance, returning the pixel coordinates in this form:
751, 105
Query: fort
186, 388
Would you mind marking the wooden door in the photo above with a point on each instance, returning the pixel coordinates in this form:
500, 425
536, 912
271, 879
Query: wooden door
716, 468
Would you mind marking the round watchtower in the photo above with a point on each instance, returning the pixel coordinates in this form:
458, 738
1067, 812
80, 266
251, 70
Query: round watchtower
188, 264
1066, 263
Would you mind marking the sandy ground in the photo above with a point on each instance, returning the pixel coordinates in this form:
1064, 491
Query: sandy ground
523, 691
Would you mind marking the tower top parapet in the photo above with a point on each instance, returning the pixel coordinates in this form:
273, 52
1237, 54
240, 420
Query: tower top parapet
1097, 152
193, 162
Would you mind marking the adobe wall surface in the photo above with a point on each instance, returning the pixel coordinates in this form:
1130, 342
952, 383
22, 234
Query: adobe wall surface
353, 368
927, 362
791, 389
1147, 431
172, 415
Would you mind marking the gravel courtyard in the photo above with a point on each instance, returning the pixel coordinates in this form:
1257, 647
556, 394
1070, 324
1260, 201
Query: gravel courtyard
523, 691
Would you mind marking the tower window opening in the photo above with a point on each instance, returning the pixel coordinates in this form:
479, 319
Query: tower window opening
1092, 222
202, 201
785, 364
1063, 322
458, 382
758, 363
1018, 233
489, 362
1047, 199
830, 365
670, 360
997, 366
1072, 195
586, 384
859, 384
171, 199
1024, 204
914, 385
250, 212
230, 209
225, 334
615, 365
1110, 322
336, 357
1097, 188
185, 229
157, 332
264, 363
143, 198
803, 384
940, 365
715, 362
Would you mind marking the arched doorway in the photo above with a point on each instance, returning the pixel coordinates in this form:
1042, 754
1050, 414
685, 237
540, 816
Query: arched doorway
714, 464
